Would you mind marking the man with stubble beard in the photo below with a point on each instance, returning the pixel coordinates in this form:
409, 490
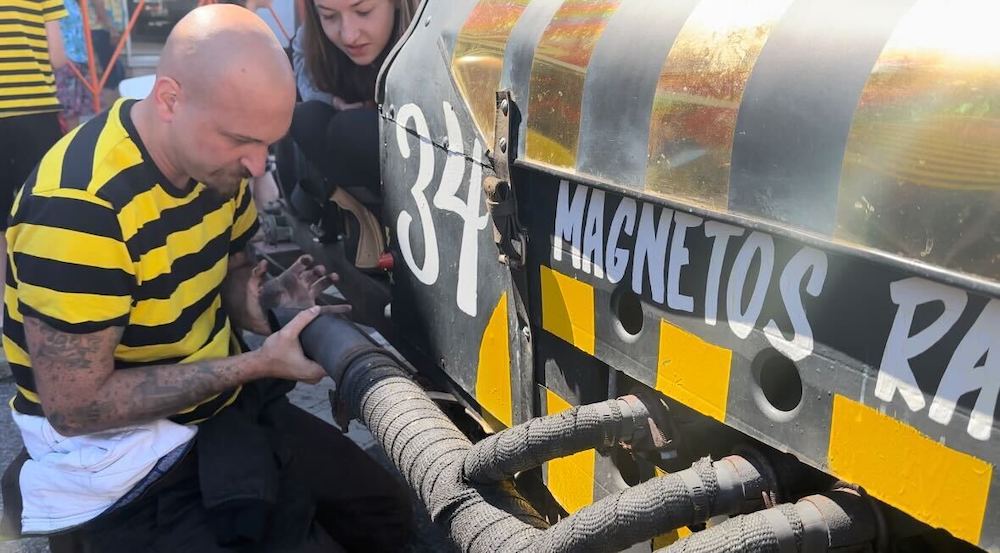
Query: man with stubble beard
145, 426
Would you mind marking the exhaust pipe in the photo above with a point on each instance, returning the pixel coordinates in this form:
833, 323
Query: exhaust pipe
467, 489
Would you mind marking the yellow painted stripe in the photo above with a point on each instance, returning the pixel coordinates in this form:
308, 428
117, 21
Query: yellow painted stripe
693, 371
478, 58
664, 540
908, 470
493, 376
570, 479
557, 75
698, 97
568, 308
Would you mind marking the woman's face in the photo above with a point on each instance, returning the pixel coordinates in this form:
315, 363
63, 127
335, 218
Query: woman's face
360, 28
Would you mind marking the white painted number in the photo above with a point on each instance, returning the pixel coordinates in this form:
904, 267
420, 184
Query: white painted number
446, 199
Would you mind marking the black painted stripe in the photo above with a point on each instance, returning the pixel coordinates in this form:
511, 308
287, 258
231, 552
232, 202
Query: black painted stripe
78, 159
619, 89
137, 335
520, 54
183, 269
791, 132
72, 278
66, 213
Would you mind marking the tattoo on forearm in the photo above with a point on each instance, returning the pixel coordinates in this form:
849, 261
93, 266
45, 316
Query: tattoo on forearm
82, 392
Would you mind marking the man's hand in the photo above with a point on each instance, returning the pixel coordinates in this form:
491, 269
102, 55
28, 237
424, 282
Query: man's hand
297, 288
284, 351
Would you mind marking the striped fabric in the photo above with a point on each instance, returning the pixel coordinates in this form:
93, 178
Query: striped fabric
98, 240
26, 81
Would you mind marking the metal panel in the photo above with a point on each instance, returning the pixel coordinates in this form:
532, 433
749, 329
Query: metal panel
797, 109
922, 172
557, 75
698, 95
802, 325
619, 90
479, 56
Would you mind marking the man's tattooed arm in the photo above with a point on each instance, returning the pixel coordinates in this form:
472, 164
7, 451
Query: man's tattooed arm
81, 393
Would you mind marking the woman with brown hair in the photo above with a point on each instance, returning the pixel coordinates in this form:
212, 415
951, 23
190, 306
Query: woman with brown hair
343, 45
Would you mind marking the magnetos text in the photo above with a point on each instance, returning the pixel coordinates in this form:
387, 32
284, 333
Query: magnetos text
746, 279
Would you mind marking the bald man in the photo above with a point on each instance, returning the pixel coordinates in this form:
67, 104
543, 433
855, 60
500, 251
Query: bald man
145, 428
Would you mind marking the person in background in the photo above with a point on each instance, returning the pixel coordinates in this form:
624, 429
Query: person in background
29, 110
107, 21
308, 91
344, 43
73, 94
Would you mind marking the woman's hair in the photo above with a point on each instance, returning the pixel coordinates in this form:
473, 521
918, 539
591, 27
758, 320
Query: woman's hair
330, 68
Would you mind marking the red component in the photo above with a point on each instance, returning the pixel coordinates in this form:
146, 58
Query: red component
386, 261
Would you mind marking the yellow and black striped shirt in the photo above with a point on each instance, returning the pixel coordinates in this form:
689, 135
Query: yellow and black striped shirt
26, 82
99, 238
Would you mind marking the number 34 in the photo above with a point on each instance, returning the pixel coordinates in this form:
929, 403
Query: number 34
445, 199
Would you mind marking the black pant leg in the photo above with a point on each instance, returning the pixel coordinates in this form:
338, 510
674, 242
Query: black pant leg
360, 503
31, 137
309, 124
353, 149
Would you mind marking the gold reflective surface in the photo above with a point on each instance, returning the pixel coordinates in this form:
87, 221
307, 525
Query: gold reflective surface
557, 75
698, 98
478, 58
921, 174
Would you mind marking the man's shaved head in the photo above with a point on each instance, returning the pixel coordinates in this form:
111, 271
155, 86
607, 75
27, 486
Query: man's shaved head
224, 91
220, 46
